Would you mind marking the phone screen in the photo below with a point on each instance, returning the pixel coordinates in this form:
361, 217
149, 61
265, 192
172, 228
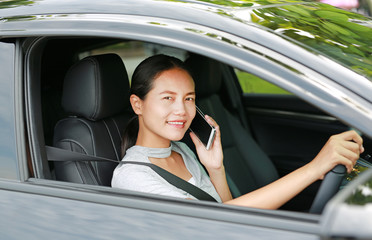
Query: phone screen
202, 129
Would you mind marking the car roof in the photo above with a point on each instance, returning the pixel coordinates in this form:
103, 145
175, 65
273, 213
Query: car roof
133, 6
216, 14
204, 12
321, 29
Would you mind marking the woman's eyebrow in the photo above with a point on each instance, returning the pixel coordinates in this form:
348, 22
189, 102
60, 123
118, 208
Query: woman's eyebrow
191, 93
171, 92
167, 92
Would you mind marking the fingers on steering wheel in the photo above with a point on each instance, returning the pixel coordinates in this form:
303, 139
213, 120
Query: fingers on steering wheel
353, 136
348, 159
353, 148
352, 145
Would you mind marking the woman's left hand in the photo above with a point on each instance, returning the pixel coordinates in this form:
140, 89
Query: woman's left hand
212, 159
343, 148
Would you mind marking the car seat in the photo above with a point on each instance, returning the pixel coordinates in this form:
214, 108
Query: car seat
96, 96
247, 166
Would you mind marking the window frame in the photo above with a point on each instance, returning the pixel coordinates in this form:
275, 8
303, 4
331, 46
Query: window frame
258, 63
13, 143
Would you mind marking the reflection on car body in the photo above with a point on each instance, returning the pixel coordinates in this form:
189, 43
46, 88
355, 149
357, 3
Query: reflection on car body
292, 74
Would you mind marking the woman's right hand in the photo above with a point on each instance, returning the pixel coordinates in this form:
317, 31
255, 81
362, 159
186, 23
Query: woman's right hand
343, 148
212, 159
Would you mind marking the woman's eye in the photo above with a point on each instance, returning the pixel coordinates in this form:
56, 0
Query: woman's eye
167, 98
190, 99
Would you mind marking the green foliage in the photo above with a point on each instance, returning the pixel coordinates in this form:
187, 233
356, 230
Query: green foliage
248, 3
341, 35
15, 3
253, 84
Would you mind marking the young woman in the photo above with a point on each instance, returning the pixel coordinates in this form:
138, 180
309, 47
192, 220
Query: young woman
163, 98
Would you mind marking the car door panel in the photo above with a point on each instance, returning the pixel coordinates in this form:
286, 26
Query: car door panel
291, 132
40, 210
288, 129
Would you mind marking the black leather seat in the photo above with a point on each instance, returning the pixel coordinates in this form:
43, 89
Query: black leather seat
96, 96
247, 166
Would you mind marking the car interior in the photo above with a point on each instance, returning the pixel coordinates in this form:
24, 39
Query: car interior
81, 92
96, 95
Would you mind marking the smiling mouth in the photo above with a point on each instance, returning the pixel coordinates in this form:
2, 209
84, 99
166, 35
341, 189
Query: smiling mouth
176, 123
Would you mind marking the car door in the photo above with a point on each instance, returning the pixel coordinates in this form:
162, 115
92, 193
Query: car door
36, 207
198, 218
130, 206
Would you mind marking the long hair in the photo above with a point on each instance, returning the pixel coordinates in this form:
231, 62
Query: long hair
142, 83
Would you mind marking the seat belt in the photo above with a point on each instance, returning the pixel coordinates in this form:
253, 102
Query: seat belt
176, 181
61, 155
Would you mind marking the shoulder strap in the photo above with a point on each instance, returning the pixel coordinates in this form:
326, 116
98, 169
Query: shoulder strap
58, 154
177, 181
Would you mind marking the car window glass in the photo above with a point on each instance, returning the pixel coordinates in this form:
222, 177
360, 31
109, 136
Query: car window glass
133, 52
252, 84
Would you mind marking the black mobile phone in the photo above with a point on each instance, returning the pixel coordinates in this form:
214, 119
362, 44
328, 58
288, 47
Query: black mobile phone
202, 129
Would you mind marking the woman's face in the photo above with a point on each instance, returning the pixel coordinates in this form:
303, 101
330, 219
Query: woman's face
168, 109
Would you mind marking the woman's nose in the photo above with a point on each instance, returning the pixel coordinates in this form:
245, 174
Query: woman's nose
179, 108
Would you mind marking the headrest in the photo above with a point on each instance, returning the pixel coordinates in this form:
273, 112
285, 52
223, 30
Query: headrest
207, 74
96, 87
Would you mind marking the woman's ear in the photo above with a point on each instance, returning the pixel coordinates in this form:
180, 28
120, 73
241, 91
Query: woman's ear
136, 103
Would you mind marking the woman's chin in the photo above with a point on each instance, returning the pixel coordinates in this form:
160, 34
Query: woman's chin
177, 137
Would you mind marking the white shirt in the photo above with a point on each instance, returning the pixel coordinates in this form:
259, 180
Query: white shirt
144, 179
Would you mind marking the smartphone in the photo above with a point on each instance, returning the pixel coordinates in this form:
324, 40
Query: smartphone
202, 129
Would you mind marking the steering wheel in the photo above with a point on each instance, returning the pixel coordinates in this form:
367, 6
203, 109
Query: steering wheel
329, 187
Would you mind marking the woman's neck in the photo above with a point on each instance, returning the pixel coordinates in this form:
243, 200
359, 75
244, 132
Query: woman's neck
152, 143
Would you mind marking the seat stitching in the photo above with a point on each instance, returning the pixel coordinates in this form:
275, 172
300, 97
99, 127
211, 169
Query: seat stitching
112, 140
80, 164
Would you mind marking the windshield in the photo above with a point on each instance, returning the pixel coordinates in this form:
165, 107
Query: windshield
343, 36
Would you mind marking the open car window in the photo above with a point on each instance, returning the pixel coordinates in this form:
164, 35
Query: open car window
277, 122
